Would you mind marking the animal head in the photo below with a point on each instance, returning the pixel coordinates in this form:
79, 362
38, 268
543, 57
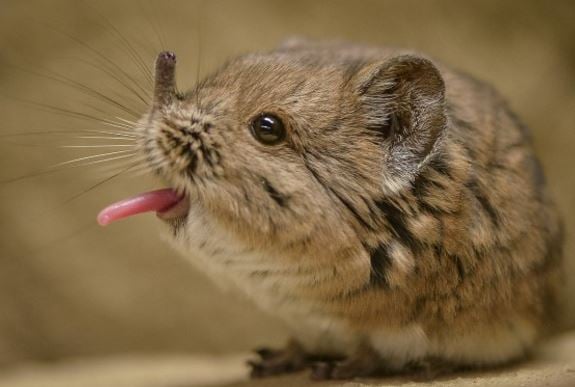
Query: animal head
281, 145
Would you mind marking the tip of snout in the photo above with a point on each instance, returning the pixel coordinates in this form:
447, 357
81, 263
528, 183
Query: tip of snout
165, 78
166, 57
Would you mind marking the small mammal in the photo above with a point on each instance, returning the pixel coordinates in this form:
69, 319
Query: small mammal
390, 209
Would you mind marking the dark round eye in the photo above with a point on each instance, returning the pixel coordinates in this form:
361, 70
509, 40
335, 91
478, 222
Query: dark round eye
268, 129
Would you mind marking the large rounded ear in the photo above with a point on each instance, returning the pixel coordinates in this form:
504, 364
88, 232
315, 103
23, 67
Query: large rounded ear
404, 100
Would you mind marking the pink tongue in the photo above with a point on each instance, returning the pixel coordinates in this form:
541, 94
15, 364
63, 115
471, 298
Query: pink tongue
160, 200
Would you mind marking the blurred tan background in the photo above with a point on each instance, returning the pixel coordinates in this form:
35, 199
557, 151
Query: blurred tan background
69, 289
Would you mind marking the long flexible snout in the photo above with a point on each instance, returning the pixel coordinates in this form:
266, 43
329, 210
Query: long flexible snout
165, 80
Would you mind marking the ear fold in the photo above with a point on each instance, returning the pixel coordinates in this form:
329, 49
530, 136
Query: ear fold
404, 99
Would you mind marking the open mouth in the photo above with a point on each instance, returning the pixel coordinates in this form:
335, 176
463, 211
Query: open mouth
167, 203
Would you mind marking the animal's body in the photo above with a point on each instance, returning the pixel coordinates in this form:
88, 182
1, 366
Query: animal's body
389, 209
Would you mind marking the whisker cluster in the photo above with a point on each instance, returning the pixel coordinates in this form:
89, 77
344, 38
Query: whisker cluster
105, 109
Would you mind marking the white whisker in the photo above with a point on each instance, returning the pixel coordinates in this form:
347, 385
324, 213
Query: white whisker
93, 157
106, 138
72, 164
126, 121
123, 133
136, 159
119, 132
95, 162
97, 146
115, 124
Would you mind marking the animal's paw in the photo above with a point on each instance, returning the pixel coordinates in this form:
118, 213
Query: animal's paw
364, 363
340, 370
275, 362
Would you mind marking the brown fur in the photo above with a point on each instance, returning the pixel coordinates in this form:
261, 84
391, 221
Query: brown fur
406, 193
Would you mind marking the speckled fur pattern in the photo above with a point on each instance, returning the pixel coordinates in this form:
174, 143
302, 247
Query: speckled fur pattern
405, 213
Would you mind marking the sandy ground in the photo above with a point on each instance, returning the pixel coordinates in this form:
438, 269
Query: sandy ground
553, 365
119, 296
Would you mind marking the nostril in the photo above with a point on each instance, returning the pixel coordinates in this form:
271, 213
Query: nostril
168, 55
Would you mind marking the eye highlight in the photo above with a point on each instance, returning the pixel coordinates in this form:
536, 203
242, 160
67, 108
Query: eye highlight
268, 129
